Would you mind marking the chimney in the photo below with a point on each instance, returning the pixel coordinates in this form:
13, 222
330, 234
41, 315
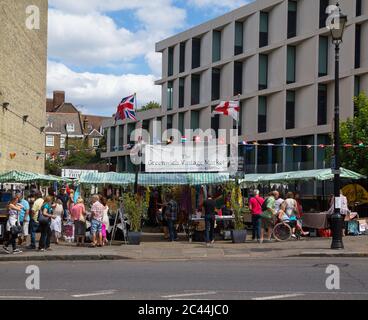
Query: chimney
49, 105
59, 98
85, 125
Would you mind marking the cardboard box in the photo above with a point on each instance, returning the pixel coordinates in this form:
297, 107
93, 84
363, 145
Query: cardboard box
363, 225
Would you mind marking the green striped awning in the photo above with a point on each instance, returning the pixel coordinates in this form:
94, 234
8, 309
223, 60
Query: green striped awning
15, 176
113, 178
308, 175
154, 179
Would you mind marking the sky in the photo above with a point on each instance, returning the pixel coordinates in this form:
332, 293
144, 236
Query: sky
100, 51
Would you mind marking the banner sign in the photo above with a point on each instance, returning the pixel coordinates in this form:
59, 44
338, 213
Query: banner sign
75, 173
186, 158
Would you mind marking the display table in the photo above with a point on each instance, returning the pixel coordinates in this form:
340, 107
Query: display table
198, 224
321, 220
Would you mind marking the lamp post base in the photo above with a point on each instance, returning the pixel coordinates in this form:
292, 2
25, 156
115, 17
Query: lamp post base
337, 225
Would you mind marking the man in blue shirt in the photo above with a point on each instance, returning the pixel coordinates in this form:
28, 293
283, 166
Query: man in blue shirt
23, 218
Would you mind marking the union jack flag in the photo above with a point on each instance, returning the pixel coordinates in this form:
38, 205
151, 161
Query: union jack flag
126, 109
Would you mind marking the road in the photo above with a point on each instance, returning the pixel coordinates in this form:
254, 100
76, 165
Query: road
165, 280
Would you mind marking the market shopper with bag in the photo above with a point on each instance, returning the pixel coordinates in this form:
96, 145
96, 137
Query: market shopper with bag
78, 215
209, 209
267, 216
255, 206
13, 227
44, 219
34, 224
171, 215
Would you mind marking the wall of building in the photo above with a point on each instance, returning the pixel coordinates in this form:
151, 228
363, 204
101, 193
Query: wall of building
23, 60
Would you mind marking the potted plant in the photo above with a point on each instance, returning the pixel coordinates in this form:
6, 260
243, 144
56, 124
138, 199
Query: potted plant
135, 208
239, 234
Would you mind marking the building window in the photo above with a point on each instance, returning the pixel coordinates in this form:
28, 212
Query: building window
323, 4
292, 18
239, 38
169, 122
358, 45
194, 121
216, 45
196, 53
112, 139
131, 128
240, 123
238, 78
181, 124
263, 34
323, 57
49, 124
290, 110
196, 89
263, 71
182, 57
70, 127
170, 95
95, 142
62, 143
322, 104
121, 137
181, 92
215, 122
216, 83
358, 8
262, 114
50, 141
146, 125
356, 93
170, 65
291, 64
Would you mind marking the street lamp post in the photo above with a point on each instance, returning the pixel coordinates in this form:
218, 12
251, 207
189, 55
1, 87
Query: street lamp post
337, 27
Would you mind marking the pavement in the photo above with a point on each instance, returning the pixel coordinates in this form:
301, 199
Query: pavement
217, 280
154, 248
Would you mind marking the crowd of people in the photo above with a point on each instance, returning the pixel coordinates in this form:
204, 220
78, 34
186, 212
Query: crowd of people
48, 215
267, 212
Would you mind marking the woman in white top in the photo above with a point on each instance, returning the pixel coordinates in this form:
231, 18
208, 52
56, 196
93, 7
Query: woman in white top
105, 220
56, 223
13, 210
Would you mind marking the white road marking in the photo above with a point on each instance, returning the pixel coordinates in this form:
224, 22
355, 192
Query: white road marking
20, 297
190, 294
284, 296
94, 294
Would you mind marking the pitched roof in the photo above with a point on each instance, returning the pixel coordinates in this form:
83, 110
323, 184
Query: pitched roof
60, 120
94, 122
66, 108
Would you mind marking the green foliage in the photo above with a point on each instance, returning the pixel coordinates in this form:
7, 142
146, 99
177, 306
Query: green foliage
150, 106
135, 208
355, 131
237, 207
54, 167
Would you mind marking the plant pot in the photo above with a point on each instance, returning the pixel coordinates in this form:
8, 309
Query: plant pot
134, 238
239, 236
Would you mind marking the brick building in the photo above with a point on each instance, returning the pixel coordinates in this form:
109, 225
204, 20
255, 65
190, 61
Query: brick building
23, 61
66, 126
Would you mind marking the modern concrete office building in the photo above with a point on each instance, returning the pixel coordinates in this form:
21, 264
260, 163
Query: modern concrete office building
279, 57
23, 64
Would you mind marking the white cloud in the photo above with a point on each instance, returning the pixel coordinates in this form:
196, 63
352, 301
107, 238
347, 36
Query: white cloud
214, 4
100, 93
80, 34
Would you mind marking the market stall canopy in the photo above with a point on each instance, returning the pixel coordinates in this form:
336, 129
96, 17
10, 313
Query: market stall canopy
15, 176
309, 175
113, 178
154, 179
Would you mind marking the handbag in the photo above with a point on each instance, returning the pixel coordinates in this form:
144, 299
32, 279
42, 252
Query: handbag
42, 219
17, 229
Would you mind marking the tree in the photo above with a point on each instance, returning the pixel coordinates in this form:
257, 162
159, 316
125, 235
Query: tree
354, 138
149, 106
